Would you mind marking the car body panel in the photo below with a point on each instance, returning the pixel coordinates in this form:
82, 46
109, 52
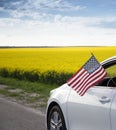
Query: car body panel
113, 111
96, 110
60, 96
88, 112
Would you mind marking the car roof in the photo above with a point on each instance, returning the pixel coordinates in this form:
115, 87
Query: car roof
109, 62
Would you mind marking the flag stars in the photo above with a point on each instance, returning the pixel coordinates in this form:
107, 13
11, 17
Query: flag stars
88, 76
91, 65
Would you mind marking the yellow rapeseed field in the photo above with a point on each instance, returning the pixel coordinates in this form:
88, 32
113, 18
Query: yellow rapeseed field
68, 59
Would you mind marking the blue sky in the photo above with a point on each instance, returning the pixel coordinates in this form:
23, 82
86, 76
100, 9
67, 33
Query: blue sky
57, 22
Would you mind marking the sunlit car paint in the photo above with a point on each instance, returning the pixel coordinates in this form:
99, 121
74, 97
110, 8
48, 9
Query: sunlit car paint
96, 110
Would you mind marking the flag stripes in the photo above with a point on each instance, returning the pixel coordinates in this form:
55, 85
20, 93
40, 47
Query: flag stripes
92, 83
90, 78
89, 75
76, 76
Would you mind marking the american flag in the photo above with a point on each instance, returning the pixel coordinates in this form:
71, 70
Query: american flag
89, 75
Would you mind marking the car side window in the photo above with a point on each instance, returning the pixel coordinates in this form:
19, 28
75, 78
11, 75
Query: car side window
110, 79
111, 72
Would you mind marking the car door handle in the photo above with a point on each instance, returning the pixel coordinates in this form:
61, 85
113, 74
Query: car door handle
104, 99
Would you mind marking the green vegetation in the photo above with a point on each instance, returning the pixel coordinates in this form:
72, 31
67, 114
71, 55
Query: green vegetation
30, 87
111, 71
30, 73
48, 65
49, 77
33, 93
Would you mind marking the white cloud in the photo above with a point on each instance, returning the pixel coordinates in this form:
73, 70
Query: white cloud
41, 22
60, 31
53, 4
35, 8
2, 9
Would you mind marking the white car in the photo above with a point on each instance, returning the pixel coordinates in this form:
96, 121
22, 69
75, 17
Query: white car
96, 110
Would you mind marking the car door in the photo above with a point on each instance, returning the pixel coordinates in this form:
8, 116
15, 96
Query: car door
113, 111
113, 105
91, 111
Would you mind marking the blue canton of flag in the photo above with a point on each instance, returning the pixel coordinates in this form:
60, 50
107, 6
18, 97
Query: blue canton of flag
91, 65
89, 75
